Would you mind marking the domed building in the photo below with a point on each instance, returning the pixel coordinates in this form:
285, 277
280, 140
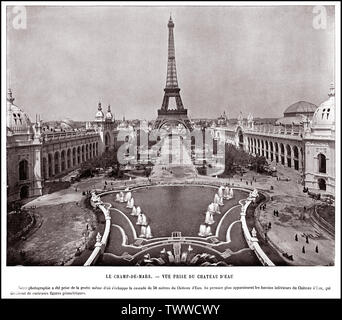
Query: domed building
303, 139
67, 125
37, 157
17, 121
297, 113
319, 140
23, 153
104, 125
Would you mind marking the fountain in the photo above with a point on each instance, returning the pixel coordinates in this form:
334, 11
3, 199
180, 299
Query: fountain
95, 198
216, 198
130, 203
148, 232
216, 208
117, 198
231, 193
211, 207
122, 197
220, 191
142, 232
184, 256
128, 196
226, 193
254, 194
209, 218
221, 201
134, 211
170, 256
201, 232
208, 231
138, 210
140, 217
143, 220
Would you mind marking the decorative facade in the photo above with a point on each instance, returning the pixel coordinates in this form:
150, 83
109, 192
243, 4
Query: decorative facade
304, 139
319, 141
35, 156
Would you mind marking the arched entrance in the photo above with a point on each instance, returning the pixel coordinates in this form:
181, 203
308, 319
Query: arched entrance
74, 157
296, 157
322, 184
282, 154
57, 163
62, 160
50, 164
24, 192
69, 159
289, 155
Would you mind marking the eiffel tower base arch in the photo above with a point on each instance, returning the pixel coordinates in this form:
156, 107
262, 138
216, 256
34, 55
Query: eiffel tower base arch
166, 117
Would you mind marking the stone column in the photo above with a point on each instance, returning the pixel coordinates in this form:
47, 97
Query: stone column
36, 174
52, 164
46, 177
60, 163
300, 166
292, 156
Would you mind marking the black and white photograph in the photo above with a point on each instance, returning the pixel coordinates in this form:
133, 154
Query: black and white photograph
160, 139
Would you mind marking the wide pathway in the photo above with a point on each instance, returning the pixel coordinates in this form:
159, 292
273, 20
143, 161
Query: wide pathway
174, 160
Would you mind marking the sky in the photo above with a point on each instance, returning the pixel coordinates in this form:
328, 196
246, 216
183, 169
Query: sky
232, 59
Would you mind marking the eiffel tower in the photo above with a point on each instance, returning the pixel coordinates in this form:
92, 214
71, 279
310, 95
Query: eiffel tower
180, 114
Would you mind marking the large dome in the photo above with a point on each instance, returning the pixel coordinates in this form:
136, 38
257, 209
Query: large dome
300, 107
325, 113
17, 119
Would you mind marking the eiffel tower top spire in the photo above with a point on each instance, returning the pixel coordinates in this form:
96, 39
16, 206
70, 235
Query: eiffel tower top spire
171, 78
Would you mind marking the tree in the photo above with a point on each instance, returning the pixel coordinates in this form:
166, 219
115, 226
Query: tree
258, 163
234, 158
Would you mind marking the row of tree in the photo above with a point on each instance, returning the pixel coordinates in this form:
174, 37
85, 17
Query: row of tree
107, 160
237, 158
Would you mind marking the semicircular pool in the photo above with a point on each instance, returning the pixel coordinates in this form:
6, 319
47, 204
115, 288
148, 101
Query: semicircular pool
175, 208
